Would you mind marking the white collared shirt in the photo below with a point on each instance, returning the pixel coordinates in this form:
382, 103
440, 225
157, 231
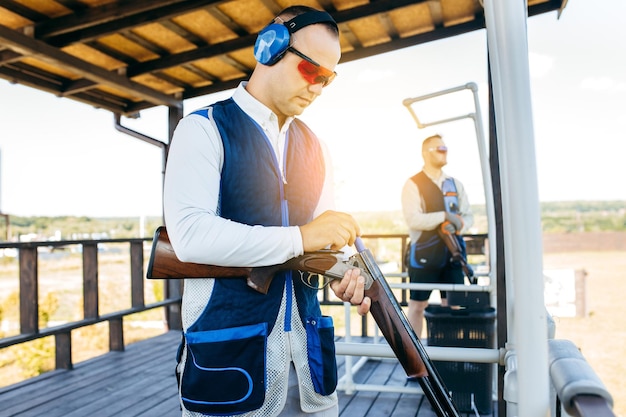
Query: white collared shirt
191, 196
413, 207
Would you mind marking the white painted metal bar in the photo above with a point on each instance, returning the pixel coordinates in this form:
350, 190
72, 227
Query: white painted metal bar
347, 380
406, 274
382, 350
421, 125
485, 166
349, 389
527, 316
443, 287
436, 353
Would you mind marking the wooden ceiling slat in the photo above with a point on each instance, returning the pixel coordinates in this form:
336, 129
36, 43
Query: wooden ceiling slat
369, 31
459, 11
218, 15
155, 34
412, 20
136, 51
107, 19
23, 11
89, 54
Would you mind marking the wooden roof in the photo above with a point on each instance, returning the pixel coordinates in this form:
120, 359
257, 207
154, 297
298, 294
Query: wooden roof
126, 56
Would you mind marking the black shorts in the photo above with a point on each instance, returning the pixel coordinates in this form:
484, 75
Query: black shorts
452, 273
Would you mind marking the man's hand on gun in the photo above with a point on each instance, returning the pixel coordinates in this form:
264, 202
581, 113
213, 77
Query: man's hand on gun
351, 289
453, 224
337, 230
329, 228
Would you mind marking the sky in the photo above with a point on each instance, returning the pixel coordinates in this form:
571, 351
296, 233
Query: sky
60, 157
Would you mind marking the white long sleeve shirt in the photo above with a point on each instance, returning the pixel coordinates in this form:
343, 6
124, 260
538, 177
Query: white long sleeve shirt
191, 196
413, 208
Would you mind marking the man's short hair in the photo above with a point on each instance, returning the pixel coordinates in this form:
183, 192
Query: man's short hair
296, 10
429, 139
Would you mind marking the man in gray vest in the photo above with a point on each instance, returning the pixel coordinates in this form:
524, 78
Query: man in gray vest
431, 200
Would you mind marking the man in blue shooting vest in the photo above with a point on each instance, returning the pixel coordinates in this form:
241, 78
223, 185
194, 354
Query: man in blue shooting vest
249, 184
431, 200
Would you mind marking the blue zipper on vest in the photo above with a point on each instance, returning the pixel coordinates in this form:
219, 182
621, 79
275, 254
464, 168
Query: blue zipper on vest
285, 221
284, 218
450, 196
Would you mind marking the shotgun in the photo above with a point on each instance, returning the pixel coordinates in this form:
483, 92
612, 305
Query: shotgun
385, 309
455, 250
164, 264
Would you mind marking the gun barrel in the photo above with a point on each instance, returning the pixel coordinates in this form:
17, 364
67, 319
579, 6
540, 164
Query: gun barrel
402, 338
393, 323
455, 250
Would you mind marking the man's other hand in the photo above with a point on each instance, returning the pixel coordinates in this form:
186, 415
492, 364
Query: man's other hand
453, 223
351, 289
330, 229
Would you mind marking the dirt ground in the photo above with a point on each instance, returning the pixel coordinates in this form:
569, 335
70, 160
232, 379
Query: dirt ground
601, 335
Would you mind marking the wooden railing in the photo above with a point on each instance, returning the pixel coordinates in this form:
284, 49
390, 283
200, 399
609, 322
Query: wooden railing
28, 271
28, 256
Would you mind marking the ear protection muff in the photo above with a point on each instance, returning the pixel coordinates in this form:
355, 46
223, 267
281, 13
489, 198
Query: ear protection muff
272, 43
274, 39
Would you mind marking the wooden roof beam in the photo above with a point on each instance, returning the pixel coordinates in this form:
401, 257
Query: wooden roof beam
108, 19
44, 52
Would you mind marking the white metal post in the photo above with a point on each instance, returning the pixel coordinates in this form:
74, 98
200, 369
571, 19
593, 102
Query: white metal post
527, 316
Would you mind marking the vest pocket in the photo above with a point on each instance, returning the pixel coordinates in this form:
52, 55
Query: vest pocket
431, 254
225, 370
321, 353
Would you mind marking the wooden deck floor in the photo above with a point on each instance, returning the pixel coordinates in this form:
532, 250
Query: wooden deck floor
140, 382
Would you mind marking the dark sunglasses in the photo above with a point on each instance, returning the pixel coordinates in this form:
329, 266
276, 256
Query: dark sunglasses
440, 149
311, 71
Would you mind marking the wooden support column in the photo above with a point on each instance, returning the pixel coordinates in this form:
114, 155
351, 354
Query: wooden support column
29, 294
116, 335
63, 350
90, 280
136, 274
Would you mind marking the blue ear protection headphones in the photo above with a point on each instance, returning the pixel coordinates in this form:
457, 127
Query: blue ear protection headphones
274, 39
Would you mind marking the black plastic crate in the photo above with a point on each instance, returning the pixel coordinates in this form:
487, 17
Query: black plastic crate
474, 328
468, 299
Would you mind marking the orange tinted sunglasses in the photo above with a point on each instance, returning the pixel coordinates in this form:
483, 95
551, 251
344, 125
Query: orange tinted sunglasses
311, 71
